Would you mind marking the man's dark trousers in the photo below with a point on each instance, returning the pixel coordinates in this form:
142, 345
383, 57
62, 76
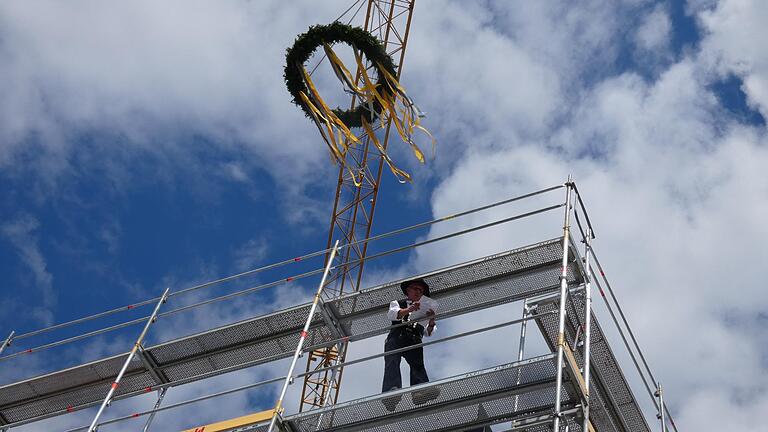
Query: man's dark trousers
415, 358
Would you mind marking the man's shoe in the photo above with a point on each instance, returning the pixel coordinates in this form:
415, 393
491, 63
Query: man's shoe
391, 402
423, 396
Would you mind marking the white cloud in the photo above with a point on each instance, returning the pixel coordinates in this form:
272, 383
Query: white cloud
735, 30
675, 191
157, 77
654, 31
235, 171
250, 254
21, 233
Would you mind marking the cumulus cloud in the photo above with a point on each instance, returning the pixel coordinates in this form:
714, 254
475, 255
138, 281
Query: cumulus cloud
668, 178
146, 82
733, 45
655, 29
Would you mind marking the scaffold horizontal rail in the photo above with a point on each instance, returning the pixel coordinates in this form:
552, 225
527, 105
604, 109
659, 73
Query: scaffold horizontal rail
613, 407
458, 403
511, 276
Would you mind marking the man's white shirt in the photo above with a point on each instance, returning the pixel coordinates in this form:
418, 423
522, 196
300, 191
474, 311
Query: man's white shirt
419, 315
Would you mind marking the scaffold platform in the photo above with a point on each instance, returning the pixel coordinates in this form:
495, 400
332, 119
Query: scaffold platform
502, 278
613, 407
522, 391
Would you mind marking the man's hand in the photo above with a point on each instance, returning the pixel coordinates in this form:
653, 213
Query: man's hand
430, 313
431, 326
412, 308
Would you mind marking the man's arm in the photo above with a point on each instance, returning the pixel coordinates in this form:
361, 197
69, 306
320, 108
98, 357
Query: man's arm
393, 312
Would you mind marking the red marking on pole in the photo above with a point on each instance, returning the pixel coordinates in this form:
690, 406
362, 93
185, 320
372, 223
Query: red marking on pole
115, 384
69, 408
28, 351
304, 334
297, 259
148, 389
602, 293
134, 415
288, 279
130, 307
602, 273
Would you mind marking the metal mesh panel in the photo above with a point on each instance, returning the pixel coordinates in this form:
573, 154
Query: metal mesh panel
264, 349
570, 422
489, 281
469, 297
543, 253
612, 401
484, 283
232, 335
483, 396
76, 397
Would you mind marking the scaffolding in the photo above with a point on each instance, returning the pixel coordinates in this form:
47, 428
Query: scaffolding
578, 385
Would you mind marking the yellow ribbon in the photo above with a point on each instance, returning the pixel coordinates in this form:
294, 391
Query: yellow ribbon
396, 107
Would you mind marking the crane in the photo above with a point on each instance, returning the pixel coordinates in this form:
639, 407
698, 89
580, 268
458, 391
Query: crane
355, 203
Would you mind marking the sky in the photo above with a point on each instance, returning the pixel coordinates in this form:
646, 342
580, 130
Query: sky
146, 145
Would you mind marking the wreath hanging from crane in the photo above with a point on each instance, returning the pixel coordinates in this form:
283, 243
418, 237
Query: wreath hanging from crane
382, 100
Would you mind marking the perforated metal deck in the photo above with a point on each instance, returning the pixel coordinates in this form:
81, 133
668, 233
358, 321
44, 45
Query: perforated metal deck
486, 282
613, 407
513, 391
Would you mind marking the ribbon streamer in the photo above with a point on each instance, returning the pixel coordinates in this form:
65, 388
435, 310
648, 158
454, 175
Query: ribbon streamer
395, 106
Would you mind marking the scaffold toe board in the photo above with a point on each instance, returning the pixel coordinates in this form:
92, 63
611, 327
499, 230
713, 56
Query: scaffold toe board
514, 391
511, 276
613, 406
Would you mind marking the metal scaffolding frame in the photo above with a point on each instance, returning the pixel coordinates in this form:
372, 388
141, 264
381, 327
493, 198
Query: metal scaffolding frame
579, 386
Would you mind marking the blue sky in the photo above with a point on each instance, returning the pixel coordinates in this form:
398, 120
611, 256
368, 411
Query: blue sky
145, 146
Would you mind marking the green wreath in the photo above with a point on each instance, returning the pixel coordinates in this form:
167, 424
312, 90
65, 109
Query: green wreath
358, 38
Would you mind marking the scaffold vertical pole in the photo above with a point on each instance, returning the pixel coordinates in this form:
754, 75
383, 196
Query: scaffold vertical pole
304, 334
7, 341
563, 293
160, 396
131, 355
587, 323
521, 348
660, 415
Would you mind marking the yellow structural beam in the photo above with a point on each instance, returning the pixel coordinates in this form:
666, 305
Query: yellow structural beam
235, 422
573, 368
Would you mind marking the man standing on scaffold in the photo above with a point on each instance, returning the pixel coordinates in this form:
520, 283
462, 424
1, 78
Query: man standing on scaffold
418, 311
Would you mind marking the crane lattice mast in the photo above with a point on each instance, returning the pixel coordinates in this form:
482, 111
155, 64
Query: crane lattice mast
355, 203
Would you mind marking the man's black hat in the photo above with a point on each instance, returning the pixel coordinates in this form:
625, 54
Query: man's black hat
404, 286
